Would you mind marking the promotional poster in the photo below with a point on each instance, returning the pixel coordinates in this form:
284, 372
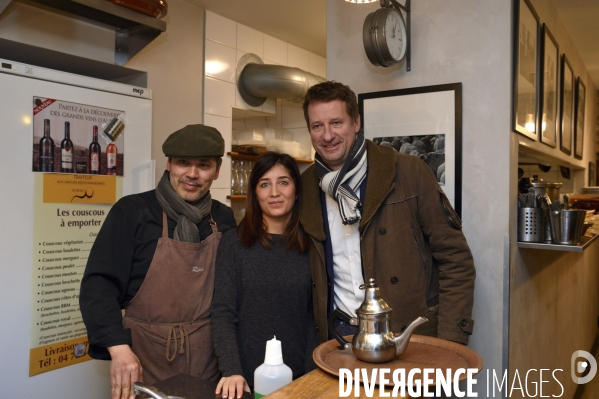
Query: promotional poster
77, 138
67, 216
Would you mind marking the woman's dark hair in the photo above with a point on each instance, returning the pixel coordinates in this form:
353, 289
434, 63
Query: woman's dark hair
252, 226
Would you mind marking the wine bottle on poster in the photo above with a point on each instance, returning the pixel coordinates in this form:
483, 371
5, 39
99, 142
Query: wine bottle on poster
95, 154
66, 150
46, 150
111, 161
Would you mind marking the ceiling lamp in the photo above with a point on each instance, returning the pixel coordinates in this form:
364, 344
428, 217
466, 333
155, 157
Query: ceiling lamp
360, 1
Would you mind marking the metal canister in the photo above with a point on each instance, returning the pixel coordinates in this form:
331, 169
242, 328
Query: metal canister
114, 128
541, 188
530, 225
552, 190
566, 226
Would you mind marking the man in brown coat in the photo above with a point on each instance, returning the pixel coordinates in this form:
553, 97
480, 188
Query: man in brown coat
373, 213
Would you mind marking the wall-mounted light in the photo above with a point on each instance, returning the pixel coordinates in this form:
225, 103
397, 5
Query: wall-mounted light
544, 122
530, 123
214, 67
361, 1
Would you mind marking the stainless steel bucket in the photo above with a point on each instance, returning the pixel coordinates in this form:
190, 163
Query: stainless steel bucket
566, 226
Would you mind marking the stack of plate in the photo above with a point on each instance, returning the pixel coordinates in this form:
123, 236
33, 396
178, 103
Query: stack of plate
591, 190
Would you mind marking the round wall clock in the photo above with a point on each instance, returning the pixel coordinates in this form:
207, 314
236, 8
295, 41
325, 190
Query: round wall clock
384, 36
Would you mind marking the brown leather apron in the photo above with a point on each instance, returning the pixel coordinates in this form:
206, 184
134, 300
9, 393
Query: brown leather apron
169, 317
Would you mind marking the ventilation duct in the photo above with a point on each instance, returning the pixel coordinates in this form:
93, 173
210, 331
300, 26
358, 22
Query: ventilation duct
257, 81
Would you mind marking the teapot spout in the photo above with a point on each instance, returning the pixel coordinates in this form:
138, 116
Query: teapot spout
401, 341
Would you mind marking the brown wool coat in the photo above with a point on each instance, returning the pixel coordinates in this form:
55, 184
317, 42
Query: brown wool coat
411, 243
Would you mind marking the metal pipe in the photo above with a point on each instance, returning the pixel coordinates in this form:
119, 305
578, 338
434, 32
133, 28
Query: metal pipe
256, 81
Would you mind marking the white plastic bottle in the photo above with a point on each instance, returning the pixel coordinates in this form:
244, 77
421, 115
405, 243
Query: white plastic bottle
273, 373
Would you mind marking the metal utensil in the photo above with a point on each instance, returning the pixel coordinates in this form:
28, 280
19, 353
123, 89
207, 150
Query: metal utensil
530, 200
566, 202
140, 387
521, 200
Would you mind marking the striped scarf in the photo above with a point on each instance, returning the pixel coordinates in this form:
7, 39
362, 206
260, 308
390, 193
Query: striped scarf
343, 184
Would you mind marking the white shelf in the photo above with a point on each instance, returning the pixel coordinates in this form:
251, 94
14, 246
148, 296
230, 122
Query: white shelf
133, 30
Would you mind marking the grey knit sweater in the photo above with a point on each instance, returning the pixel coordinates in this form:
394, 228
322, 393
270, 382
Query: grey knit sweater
260, 293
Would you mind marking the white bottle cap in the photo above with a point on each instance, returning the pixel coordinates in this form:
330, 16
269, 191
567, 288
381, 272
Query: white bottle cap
274, 354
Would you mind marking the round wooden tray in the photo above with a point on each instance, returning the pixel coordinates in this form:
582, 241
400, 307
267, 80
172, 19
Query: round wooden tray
422, 352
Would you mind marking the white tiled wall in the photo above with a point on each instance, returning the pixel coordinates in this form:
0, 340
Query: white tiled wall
223, 125
292, 116
299, 58
318, 65
289, 117
275, 51
220, 61
250, 40
219, 96
220, 30
226, 42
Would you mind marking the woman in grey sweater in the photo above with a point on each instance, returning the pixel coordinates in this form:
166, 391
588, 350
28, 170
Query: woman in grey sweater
263, 286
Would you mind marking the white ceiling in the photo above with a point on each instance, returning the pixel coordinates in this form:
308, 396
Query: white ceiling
581, 18
299, 22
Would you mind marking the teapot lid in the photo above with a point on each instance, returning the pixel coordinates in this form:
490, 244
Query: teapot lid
373, 303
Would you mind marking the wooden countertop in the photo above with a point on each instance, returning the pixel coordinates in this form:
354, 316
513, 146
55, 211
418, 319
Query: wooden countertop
317, 384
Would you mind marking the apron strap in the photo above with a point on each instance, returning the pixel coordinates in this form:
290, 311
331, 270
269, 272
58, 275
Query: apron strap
184, 338
164, 225
213, 224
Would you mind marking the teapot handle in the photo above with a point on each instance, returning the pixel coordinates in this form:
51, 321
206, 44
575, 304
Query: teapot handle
339, 314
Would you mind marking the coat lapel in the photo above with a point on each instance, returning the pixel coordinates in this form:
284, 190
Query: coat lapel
311, 216
381, 173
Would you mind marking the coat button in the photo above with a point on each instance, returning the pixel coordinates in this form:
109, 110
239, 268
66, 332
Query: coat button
316, 328
382, 231
313, 284
464, 323
394, 280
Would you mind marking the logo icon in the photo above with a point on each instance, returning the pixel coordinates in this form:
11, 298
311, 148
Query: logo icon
138, 91
201, 269
581, 366
79, 350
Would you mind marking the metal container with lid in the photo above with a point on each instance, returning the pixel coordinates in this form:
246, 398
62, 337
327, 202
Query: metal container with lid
374, 341
540, 187
373, 303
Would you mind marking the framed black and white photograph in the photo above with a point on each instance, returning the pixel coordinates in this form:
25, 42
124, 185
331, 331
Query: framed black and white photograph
425, 122
549, 76
581, 92
566, 123
526, 70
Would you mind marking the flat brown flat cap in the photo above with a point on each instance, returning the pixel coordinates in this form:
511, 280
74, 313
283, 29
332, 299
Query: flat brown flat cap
194, 141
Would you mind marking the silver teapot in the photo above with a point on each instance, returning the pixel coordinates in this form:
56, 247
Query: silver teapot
373, 342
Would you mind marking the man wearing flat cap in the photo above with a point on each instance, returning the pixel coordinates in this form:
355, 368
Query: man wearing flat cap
154, 257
